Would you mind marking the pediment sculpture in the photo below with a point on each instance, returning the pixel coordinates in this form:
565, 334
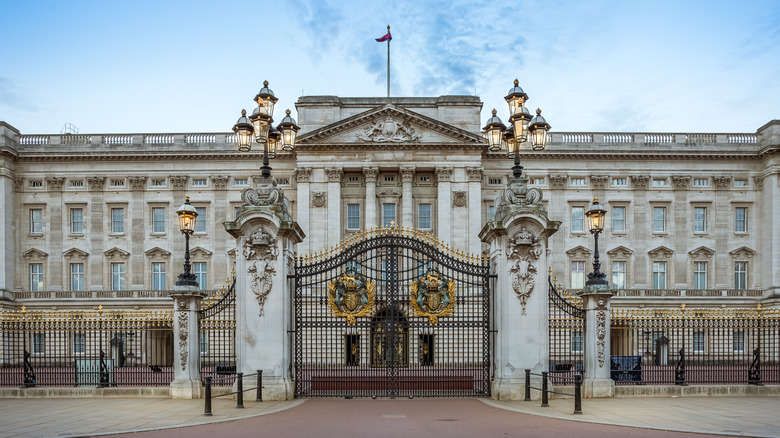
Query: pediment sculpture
389, 130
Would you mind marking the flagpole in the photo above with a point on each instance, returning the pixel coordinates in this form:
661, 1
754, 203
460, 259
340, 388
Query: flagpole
388, 62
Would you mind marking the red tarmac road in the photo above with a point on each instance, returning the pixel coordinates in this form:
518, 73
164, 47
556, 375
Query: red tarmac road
429, 418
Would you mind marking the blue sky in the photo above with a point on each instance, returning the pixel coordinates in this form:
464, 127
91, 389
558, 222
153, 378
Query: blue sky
176, 66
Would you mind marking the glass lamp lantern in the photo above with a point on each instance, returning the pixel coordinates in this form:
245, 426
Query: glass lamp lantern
511, 142
266, 99
274, 138
494, 132
187, 215
289, 130
243, 130
519, 122
538, 128
595, 215
516, 99
261, 123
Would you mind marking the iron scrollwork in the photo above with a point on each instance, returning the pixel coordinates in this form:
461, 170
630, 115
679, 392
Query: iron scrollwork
433, 297
351, 296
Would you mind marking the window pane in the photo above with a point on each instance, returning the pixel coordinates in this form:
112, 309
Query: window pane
158, 220
700, 275
698, 342
79, 343
36, 277
740, 275
36, 221
39, 343
424, 216
353, 216
577, 275
659, 219
577, 219
700, 219
201, 224
77, 276
619, 219
739, 341
577, 341
618, 275
117, 220
117, 276
740, 219
388, 214
76, 220
158, 276
199, 269
659, 275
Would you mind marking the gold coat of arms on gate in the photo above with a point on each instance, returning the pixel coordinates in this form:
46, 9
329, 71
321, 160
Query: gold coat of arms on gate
432, 296
351, 296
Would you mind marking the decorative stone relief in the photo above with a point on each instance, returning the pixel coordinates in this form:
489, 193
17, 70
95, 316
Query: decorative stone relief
319, 199
721, 182
523, 250
55, 184
261, 253
137, 182
459, 199
334, 174
184, 330
601, 331
389, 130
443, 174
759, 182
517, 194
640, 182
178, 182
302, 174
96, 183
219, 181
18, 184
407, 174
474, 174
558, 181
680, 181
370, 174
599, 181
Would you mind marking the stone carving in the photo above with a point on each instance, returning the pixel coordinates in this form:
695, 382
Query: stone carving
178, 182
370, 174
558, 181
219, 181
640, 181
184, 329
517, 194
407, 174
601, 331
137, 182
260, 252
334, 174
389, 130
459, 199
18, 184
302, 174
96, 183
680, 181
55, 184
474, 173
721, 182
759, 182
319, 199
443, 174
267, 194
523, 250
599, 181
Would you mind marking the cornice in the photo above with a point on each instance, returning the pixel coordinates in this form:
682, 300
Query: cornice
627, 156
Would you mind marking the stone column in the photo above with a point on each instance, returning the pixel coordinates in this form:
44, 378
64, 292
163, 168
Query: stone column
334, 206
99, 229
8, 234
407, 206
596, 380
444, 203
518, 238
475, 209
265, 236
370, 174
302, 177
186, 358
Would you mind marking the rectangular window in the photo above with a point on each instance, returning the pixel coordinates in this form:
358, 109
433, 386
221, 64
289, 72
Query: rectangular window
201, 222
117, 276
353, 178
425, 178
577, 219
158, 220
199, 182
698, 341
491, 212
618, 275
740, 275
577, 275
79, 343
117, 183
495, 180
36, 184
36, 277
117, 220
77, 221
537, 181
701, 182
578, 181
740, 219
242, 182
619, 182
39, 343
77, 183
158, 182
201, 276
158, 276
577, 341
204, 342
77, 276
283, 181
619, 219
659, 275
424, 216
659, 182
659, 219
388, 214
739, 341
36, 221
700, 220
353, 216
700, 275
740, 182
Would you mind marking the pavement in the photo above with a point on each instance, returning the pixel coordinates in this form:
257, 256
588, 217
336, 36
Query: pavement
51, 417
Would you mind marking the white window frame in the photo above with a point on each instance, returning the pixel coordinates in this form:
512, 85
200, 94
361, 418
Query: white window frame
740, 224
660, 272
353, 216
158, 223
117, 223
699, 341
76, 220
386, 218
117, 276
699, 275
738, 343
39, 343
200, 269
158, 276
619, 274
201, 222
700, 220
36, 277
36, 221
659, 224
421, 218
76, 276
577, 274
79, 343
617, 220
740, 275
577, 344
577, 219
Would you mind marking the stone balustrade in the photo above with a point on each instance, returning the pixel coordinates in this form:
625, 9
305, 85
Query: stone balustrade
93, 294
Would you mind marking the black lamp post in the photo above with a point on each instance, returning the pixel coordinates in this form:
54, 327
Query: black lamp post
595, 215
187, 215
521, 124
260, 124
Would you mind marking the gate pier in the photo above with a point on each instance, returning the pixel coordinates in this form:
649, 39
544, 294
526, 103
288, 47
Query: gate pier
518, 238
265, 235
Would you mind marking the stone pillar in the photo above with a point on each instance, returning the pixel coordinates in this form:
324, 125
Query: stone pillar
475, 209
596, 380
518, 238
8, 234
407, 206
265, 236
302, 176
186, 358
335, 226
444, 203
370, 174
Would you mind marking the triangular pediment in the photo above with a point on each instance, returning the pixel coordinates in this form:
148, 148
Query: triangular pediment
742, 252
200, 253
34, 254
579, 252
391, 126
660, 252
75, 254
116, 253
620, 252
702, 252
157, 252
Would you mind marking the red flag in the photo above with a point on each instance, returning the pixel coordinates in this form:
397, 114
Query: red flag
387, 37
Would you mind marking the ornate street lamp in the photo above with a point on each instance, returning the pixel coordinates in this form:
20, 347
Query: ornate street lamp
595, 215
187, 215
260, 124
521, 124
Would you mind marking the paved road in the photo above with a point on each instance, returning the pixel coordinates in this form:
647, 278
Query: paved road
406, 418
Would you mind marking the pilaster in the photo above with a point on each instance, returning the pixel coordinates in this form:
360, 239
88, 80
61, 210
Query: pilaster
370, 175
444, 203
596, 380
186, 359
334, 205
475, 209
302, 177
407, 205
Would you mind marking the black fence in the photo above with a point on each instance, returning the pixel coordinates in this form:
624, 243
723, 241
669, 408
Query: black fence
567, 335
218, 336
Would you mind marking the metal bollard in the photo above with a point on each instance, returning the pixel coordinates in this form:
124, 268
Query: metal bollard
240, 391
527, 385
578, 393
207, 412
259, 397
544, 390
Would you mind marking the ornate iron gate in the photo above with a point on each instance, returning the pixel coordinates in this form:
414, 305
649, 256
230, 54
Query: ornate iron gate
217, 341
567, 334
392, 312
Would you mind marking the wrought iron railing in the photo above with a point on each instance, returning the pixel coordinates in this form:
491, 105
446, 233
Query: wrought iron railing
567, 334
217, 343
